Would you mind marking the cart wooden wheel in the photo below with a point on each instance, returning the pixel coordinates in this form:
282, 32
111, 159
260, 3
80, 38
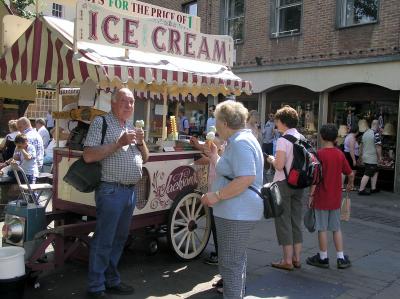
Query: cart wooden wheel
189, 226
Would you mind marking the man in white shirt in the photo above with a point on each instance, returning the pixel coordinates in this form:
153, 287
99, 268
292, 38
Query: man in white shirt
211, 118
40, 127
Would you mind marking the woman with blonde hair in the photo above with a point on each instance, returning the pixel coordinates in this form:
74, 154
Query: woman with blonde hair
236, 208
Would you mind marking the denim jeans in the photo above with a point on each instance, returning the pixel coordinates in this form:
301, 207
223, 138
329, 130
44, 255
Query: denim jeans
114, 209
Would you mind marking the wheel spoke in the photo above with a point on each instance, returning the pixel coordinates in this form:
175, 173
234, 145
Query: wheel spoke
197, 236
188, 243
183, 239
194, 200
198, 211
194, 243
180, 232
179, 223
187, 209
200, 217
183, 215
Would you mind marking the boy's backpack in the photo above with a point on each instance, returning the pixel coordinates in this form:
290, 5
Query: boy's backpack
306, 169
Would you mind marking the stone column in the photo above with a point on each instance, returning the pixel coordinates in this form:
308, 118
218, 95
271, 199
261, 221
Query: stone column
397, 166
262, 99
322, 111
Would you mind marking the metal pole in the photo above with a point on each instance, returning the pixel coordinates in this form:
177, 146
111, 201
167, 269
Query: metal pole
165, 110
148, 111
59, 108
397, 164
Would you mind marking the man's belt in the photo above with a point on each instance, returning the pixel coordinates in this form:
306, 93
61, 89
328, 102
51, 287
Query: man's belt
119, 185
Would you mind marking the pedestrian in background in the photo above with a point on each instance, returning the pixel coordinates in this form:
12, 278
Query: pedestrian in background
183, 122
25, 156
268, 135
7, 146
236, 207
211, 119
288, 225
351, 149
41, 129
371, 155
25, 127
326, 199
49, 120
253, 123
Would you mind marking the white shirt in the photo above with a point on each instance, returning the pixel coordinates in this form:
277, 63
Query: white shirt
210, 122
45, 136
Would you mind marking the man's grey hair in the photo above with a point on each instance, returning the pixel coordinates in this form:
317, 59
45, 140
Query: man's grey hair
24, 121
117, 92
40, 121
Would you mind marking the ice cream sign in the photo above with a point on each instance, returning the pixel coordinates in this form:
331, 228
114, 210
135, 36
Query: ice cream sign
95, 24
140, 9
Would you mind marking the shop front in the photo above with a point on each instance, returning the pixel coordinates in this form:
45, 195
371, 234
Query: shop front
351, 105
339, 93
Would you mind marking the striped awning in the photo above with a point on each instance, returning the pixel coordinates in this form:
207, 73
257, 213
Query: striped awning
44, 54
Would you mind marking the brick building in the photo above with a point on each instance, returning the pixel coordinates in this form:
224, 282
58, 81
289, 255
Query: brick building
333, 60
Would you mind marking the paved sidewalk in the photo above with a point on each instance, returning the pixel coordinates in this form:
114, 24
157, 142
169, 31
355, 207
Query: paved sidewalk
372, 240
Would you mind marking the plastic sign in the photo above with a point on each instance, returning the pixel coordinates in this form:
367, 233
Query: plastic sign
94, 24
136, 8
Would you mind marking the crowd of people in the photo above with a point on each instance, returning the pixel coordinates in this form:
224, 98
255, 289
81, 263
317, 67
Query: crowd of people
27, 147
236, 162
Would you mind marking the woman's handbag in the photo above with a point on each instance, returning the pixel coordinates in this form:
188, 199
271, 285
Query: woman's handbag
309, 220
345, 209
271, 197
85, 177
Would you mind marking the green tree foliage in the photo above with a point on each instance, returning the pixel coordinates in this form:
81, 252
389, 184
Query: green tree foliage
20, 8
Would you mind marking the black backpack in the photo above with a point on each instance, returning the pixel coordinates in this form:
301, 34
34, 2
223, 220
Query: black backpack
306, 169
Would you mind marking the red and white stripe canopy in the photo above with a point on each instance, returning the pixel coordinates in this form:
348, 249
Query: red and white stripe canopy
44, 54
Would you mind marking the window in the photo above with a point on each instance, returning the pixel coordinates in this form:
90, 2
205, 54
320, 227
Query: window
57, 10
190, 8
286, 19
234, 19
357, 12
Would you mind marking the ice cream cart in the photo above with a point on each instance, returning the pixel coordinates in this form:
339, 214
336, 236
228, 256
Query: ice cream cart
180, 66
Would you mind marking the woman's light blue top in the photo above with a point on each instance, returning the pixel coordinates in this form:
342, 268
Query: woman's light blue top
242, 157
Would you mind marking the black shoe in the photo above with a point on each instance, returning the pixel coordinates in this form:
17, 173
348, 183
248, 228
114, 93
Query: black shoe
121, 289
375, 191
343, 263
317, 261
363, 192
212, 259
97, 295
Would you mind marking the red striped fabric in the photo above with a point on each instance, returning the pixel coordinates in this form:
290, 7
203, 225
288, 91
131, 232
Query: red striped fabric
37, 41
24, 56
53, 61
49, 58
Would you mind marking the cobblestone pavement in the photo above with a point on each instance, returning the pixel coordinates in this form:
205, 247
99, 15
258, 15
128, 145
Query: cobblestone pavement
372, 240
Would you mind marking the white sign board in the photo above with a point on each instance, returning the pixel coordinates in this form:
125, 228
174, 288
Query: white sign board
95, 24
140, 9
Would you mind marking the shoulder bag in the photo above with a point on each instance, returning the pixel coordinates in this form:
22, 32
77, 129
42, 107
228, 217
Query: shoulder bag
271, 197
85, 177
